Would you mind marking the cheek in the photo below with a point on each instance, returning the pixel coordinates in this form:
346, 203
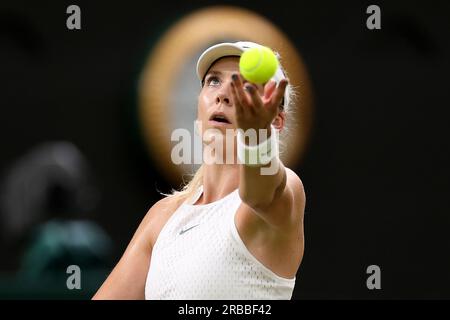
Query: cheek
205, 100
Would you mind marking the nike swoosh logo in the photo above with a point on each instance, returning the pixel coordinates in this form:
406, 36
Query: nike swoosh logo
186, 230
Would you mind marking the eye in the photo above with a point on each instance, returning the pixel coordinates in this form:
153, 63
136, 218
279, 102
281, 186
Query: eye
212, 81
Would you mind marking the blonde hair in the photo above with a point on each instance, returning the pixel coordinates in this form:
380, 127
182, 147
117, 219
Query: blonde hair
190, 187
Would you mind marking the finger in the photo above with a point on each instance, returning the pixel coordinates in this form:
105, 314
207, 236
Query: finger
239, 86
236, 100
277, 97
254, 96
269, 89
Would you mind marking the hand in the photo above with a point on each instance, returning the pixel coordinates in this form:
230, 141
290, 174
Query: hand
252, 110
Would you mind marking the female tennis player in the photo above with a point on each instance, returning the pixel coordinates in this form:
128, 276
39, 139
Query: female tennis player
233, 232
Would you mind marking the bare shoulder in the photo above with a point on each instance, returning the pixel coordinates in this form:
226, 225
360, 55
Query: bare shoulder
127, 280
163, 206
295, 183
297, 190
157, 216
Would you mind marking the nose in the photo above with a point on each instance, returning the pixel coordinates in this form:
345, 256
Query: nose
223, 95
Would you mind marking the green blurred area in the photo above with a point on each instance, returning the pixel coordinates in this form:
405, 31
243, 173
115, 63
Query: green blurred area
51, 286
54, 246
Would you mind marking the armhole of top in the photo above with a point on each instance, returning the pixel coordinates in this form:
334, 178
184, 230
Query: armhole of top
237, 238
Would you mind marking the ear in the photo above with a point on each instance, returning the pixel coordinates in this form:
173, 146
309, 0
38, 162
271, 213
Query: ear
279, 121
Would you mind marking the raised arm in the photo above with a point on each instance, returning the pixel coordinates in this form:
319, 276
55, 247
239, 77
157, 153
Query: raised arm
271, 194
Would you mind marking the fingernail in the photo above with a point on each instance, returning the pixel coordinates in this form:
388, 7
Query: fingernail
234, 77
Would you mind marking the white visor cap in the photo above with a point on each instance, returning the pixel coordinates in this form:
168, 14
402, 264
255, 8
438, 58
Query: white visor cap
227, 49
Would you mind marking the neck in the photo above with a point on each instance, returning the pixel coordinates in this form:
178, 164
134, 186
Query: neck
219, 180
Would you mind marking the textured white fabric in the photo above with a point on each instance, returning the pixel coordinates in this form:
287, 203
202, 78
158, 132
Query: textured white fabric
208, 260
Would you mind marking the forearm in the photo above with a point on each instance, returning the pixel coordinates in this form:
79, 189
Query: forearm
259, 185
258, 190
261, 181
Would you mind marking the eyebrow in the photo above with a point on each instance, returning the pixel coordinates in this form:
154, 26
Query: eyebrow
213, 72
219, 73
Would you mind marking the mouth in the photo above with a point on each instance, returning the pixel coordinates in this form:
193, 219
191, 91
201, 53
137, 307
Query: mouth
219, 118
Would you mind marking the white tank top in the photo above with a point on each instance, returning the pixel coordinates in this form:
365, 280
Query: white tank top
199, 255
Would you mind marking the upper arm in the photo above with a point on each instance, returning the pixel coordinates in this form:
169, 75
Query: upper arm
288, 204
127, 280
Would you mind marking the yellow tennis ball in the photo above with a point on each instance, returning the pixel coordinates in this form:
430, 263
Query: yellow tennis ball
258, 65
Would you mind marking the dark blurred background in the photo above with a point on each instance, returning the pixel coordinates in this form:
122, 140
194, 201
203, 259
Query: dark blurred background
376, 172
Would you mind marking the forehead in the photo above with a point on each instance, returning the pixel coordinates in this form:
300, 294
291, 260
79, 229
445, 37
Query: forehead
225, 64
